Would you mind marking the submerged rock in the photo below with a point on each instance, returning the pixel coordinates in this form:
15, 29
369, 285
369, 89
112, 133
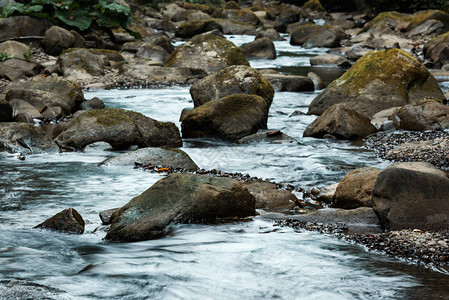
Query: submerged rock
180, 198
377, 81
165, 157
120, 129
68, 221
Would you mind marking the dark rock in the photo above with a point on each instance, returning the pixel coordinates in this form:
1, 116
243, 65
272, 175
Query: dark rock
208, 52
229, 81
340, 121
356, 188
189, 29
94, 103
5, 111
20, 26
155, 157
180, 198
230, 118
120, 129
311, 35
407, 199
260, 48
57, 39
426, 114
25, 139
273, 136
290, 83
377, 81
68, 221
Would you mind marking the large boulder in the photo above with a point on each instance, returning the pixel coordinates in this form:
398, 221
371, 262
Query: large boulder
356, 188
342, 122
25, 139
290, 83
189, 29
312, 35
409, 199
120, 128
229, 81
259, 48
180, 198
421, 115
68, 221
207, 51
79, 64
377, 81
57, 39
154, 157
230, 118
49, 91
437, 49
15, 49
20, 26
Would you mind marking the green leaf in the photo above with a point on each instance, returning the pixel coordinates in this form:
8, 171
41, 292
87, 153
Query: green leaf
80, 19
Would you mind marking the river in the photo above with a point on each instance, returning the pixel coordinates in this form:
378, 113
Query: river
249, 260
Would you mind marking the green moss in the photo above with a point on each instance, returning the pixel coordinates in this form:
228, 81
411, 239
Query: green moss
109, 116
313, 5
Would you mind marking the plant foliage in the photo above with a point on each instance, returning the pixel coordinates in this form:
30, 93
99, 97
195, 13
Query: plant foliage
79, 14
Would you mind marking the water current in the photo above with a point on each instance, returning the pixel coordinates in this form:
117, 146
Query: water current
250, 260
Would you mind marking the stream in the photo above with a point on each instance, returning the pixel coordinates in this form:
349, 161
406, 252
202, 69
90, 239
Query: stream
246, 260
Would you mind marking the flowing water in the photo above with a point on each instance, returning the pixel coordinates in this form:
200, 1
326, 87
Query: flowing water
249, 260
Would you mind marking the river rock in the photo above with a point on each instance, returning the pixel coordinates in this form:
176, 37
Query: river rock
230, 118
208, 52
232, 27
152, 156
356, 188
419, 166
81, 64
382, 119
120, 128
6, 111
270, 33
388, 41
152, 51
377, 81
241, 15
408, 199
162, 75
94, 103
25, 139
318, 83
311, 35
15, 49
427, 28
272, 136
357, 51
20, 289
437, 49
57, 39
14, 69
180, 198
290, 83
327, 193
330, 59
342, 122
260, 48
189, 29
51, 91
426, 114
269, 197
21, 26
24, 111
232, 80
68, 221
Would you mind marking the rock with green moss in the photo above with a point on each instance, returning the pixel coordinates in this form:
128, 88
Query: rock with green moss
426, 114
120, 128
180, 198
230, 26
51, 91
312, 35
404, 22
379, 80
437, 49
189, 29
230, 118
342, 122
313, 5
241, 15
229, 81
207, 51
154, 157
25, 139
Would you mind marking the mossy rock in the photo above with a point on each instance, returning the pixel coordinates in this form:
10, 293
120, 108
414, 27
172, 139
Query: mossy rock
392, 19
379, 80
230, 118
120, 128
189, 29
207, 51
232, 80
312, 35
313, 5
